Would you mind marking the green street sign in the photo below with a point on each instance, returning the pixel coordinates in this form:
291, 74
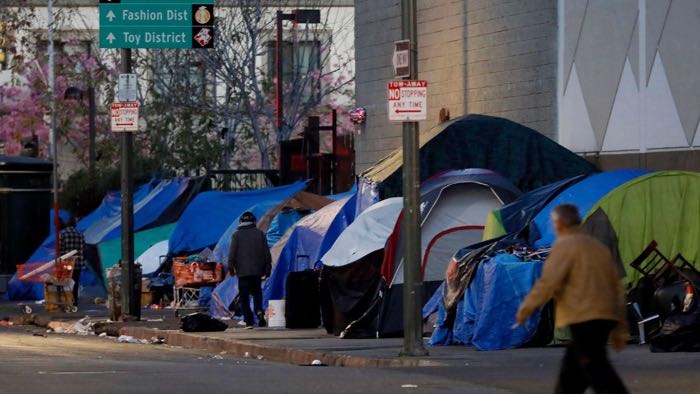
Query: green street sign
177, 24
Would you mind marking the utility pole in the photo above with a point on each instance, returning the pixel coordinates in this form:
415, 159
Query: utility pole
54, 143
279, 69
131, 305
413, 282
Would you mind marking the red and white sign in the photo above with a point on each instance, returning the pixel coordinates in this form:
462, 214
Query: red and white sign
125, 116
408, 100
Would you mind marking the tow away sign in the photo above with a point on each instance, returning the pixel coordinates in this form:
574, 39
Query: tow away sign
408, 100
125, 116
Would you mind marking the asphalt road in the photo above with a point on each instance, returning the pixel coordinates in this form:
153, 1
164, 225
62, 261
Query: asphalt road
71, 364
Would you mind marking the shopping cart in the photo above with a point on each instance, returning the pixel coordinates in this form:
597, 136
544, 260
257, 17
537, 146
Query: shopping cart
57, 277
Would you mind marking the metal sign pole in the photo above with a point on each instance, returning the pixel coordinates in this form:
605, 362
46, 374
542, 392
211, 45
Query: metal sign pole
54, 137
412, 297
131, 308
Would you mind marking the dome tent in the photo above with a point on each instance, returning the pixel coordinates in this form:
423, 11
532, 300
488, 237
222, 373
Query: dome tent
520, 154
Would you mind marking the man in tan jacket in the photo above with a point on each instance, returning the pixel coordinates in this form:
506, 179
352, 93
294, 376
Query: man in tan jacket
581, 275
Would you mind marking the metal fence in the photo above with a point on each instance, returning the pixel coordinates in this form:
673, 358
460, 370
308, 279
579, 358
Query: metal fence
240, 180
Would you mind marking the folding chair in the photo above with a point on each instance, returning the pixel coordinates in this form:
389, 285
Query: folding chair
641, 321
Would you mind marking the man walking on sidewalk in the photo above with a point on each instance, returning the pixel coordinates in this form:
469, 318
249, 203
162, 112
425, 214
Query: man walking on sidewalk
71, 239
582, 277
249, 258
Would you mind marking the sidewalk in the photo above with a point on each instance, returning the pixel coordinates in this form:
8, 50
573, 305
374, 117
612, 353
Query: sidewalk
299, 347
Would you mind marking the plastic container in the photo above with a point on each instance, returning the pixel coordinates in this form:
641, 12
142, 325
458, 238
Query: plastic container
275, 314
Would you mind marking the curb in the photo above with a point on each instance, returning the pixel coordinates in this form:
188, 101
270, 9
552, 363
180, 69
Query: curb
269, 353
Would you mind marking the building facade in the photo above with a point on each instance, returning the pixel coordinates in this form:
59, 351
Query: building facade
617, 81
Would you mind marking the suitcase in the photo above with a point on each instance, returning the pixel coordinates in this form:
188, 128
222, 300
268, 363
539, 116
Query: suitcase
303, 300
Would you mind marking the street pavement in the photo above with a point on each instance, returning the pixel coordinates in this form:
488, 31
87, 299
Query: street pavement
71, 364
66, 363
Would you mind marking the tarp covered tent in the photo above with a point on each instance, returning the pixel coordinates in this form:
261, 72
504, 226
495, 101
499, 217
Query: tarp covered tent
306, 242
485, 317
516, 216
153, 203
110, 251
661, 206
271, 217
584, 195
522, 155
368, 233
210, 214
350, 275
626, 210
454, 207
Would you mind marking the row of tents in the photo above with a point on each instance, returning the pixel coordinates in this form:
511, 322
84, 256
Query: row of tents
488, 187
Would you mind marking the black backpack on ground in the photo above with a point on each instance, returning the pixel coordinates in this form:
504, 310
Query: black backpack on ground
201, 322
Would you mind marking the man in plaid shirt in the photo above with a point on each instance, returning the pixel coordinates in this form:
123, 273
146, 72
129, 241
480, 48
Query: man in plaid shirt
71, 239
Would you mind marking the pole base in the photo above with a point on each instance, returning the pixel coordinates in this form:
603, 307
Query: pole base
416, 351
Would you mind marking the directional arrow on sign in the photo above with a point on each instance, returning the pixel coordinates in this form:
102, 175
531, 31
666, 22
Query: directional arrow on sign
403, 111
111, 38
111, 16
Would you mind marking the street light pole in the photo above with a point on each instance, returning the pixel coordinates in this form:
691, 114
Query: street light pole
54, 148
279, 96
413, 281
131, 308
91, 123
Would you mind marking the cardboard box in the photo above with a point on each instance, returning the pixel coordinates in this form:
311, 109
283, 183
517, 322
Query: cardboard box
56, 297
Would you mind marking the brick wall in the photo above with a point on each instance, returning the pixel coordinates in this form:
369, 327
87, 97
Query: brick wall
511, 57
495, 57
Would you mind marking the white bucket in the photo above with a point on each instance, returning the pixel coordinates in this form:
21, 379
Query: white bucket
275, 314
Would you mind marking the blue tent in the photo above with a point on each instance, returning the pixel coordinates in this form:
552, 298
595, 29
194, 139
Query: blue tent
281, 224
584, 195
221, 249
312, 236
486, 314
211, 214
150, 201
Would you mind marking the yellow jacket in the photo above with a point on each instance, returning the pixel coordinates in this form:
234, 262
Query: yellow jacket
581, 275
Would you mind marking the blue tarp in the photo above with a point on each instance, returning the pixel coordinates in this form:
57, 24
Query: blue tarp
211, 213
103, 224
340, 196
516, 215
62, 214
221, 249
487, 313
280, 224
312, 236
584, 195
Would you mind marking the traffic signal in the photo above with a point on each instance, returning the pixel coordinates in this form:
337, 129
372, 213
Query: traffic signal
3, 46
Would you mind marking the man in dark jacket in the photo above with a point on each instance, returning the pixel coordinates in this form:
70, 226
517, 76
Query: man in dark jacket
249, 258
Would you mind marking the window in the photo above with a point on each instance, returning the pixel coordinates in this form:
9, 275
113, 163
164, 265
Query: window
300, 59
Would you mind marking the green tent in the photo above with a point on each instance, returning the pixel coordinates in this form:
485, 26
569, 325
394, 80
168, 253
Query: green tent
110, 251
662, 207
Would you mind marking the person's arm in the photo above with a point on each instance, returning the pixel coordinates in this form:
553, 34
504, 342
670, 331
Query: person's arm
266, 256
232, 250
555, 271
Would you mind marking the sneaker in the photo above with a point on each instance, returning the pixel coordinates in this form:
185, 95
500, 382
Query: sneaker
249, 327
261, 320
